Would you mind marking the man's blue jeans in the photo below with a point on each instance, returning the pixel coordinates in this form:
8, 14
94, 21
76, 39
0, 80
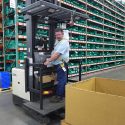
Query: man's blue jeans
61, 79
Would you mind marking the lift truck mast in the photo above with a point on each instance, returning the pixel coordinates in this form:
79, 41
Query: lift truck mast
41, 11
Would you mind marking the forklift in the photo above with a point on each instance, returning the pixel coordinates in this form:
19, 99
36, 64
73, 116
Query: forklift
35, 84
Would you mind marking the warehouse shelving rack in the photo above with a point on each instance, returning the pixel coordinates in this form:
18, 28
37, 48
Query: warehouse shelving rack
105, 40
15, 45
14, 36
98, 42
1, 40
8, 35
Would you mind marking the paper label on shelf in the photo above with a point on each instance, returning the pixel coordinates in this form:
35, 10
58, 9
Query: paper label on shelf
21, 61
21, 64
25, 48
13, 4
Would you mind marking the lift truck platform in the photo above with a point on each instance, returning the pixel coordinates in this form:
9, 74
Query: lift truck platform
52, 13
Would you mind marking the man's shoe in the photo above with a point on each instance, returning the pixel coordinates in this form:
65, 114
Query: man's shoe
56, 99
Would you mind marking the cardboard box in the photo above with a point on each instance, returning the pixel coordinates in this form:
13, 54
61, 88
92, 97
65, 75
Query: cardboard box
64, 123
49, 78
96, 101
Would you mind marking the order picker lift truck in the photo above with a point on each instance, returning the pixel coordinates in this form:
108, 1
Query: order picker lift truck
34, 85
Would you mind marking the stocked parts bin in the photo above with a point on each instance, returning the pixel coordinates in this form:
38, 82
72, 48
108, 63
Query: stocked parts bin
5, 80
97, 101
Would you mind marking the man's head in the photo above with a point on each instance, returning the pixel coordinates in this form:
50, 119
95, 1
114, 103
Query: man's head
59, 34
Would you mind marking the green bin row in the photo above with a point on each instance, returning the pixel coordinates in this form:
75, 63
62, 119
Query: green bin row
78, 37
10, 44
94, 39
77, 54
95, 4
10, 57
106, 59
120, 58
9, 33
21, 18
22, 55
21, 4
94, 53
94, 46
95, 60
77, 46
76, 3
77, 29
8, 10
120, 62
9, 21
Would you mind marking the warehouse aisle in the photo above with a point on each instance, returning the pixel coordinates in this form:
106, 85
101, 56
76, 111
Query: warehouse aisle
12, 115
118, 73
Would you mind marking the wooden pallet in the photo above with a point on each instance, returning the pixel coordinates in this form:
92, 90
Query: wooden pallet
5, 90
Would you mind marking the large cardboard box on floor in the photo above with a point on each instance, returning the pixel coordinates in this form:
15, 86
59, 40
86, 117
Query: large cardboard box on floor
97, 101
64, 123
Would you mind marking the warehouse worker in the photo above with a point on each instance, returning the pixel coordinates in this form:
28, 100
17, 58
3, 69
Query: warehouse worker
59, 58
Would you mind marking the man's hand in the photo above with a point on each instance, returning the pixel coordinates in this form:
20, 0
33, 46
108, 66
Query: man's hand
47, 62
52, 58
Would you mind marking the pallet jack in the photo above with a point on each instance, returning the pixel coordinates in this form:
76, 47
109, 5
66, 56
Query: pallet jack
34, 85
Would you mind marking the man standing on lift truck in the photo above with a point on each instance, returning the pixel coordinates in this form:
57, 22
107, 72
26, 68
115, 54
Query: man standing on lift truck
59, 58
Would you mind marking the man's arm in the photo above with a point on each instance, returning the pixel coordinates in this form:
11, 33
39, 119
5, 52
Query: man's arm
60, 51
53, 57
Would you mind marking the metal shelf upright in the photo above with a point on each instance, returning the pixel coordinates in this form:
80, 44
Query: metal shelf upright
1, 40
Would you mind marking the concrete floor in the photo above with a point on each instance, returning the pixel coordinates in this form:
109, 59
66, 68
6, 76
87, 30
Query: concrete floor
115, 73
118, 73
12, 115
